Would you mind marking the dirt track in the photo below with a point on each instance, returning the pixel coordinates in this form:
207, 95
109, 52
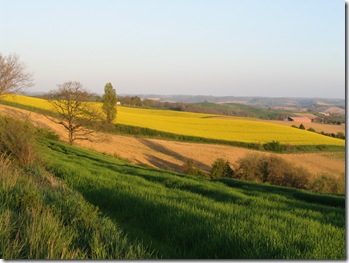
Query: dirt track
172, 155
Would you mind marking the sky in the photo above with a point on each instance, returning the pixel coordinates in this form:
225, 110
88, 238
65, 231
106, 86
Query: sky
270, 48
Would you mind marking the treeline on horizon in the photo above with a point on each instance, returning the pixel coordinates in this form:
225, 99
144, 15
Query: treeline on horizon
228, 109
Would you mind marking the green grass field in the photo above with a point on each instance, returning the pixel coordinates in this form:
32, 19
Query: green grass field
204, 125
183, 217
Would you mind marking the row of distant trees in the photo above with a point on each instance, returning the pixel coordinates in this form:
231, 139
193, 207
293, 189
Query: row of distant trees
70, 101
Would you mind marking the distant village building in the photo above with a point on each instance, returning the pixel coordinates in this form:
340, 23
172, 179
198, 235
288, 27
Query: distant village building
299, 119
324, 113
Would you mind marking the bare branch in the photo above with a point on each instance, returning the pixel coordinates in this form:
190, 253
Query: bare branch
71, 103
13, 75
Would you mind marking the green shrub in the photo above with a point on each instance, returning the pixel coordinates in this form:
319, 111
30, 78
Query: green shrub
221, 168
189, 168
18, 139
273, 146
48, 134
311, 129
340, 135
327, 184
271, 169
301, 126
248, 168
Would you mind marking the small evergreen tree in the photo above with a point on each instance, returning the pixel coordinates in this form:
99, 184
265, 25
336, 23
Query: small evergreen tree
301, 126
109, 103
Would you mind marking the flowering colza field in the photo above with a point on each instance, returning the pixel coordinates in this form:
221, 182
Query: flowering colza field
203, 125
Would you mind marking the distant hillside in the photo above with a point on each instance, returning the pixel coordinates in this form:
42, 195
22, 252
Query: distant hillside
256, 101
236, 109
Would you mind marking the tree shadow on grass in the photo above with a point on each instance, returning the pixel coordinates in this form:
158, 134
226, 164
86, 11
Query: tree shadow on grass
163, 164
164, 150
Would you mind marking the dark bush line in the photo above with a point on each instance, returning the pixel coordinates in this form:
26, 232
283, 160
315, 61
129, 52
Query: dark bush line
338, 135
274, 170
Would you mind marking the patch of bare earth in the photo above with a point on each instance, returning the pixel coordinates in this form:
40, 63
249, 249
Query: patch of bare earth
172, 155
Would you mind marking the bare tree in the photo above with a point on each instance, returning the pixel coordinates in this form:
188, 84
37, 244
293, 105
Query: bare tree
13, 75
71, 103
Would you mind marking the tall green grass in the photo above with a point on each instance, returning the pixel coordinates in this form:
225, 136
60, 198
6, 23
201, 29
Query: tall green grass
41, 217
183, 217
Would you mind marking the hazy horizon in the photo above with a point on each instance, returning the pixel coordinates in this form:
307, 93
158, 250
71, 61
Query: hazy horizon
260, 48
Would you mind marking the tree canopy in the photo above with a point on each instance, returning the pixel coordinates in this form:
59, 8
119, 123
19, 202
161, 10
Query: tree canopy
109, 103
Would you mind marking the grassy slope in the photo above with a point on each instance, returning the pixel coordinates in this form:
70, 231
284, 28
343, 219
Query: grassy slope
185, 217
42, 218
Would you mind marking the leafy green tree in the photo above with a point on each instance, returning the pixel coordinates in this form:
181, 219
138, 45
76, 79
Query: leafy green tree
301, 126
109, 103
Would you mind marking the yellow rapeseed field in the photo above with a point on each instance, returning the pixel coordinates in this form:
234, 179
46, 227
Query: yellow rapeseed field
204, 125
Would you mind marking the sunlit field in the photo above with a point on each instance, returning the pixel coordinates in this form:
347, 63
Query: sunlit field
204, 125
207, 126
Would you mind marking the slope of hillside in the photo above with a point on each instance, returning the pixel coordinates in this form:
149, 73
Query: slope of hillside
187, 217
236, 109
172, 155
43, 218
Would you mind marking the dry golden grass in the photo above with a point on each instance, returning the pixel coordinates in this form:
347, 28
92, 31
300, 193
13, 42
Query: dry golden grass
172, 155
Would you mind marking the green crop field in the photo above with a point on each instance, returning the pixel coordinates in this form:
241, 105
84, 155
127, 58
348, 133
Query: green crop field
182, 217
204, 125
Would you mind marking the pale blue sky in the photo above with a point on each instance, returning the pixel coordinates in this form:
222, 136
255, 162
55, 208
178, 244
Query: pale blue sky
273, 48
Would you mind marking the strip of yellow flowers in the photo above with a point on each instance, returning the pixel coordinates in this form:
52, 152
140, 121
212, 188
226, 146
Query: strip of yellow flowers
203, 125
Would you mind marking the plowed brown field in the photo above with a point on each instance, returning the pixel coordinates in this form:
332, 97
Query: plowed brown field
172, 155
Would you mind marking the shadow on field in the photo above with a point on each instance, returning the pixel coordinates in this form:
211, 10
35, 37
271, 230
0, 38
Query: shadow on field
172, 231
163, 164
166, 164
